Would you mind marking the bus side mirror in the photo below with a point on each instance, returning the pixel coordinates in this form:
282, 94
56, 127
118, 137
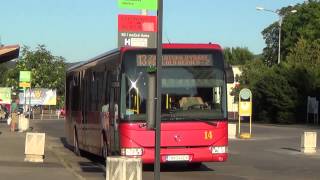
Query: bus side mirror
151, 115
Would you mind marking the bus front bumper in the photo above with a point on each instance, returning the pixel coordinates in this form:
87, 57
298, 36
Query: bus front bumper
188, 155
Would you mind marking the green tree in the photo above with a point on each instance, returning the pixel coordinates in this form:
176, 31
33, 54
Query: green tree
305, 54
252, 72
238, 55
276, 100
270, 52
47, 71
280, 92
3, 70
305, 23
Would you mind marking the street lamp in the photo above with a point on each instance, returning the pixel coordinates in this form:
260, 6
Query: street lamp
280, 16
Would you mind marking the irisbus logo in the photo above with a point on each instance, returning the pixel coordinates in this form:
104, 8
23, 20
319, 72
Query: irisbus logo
177, 138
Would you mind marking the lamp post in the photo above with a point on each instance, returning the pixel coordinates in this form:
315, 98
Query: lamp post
280, 16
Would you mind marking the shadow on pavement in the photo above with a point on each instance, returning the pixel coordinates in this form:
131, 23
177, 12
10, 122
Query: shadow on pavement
29, 164
93, 167
3, 121
178, 167
65, 143
85, 154
291, 149
97, 163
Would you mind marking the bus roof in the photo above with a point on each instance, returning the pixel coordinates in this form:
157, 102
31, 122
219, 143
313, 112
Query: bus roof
209, 46
181, 46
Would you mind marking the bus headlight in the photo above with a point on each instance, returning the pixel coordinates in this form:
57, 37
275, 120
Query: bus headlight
131, 151
219, 149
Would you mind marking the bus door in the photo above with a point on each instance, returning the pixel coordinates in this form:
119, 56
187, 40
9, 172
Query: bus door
114, 111
84, 107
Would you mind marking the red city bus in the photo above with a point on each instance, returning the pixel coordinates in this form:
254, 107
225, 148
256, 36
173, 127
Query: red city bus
106, 104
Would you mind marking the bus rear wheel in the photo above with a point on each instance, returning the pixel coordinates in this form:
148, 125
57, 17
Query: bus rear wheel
76, 148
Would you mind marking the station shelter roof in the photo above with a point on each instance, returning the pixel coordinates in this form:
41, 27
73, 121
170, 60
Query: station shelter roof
8, 53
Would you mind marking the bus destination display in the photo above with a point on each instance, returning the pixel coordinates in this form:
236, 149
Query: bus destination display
176, 60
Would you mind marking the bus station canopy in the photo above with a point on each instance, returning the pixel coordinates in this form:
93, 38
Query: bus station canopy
8, 53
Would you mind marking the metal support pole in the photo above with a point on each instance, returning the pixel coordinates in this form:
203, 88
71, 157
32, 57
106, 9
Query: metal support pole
25, 99
158, 105
239, 128
29, 103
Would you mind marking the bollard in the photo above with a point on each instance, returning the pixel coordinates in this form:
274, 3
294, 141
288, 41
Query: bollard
232, 131
23, 124
34, 147
309, 142
123, 168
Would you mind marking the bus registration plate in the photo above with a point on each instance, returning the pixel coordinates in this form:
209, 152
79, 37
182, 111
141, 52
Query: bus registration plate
178, 158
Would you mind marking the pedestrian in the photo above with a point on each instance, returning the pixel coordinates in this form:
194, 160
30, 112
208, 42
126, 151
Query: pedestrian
14, 114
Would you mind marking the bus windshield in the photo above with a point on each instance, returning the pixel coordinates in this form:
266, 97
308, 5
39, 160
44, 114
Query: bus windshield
193, 91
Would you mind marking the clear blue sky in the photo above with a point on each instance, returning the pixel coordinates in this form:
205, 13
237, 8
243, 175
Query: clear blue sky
81, 29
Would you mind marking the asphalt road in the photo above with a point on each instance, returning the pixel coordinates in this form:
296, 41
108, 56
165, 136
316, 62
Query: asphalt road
272, 153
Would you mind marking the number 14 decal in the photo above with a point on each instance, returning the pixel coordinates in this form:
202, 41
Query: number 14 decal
208, 135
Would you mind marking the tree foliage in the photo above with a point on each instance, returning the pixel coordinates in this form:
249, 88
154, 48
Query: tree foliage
280, 92
237, 56
304, 23
3, 70
274, 91
305, 54
47, 71
277, 100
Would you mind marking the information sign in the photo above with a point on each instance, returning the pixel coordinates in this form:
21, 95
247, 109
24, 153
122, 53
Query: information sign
137, 39
24, 84
25, 76
5, 95
245, 103
245, 110
39, 96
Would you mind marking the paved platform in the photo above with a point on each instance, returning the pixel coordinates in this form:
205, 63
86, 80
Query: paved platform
272, 153
13, 167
